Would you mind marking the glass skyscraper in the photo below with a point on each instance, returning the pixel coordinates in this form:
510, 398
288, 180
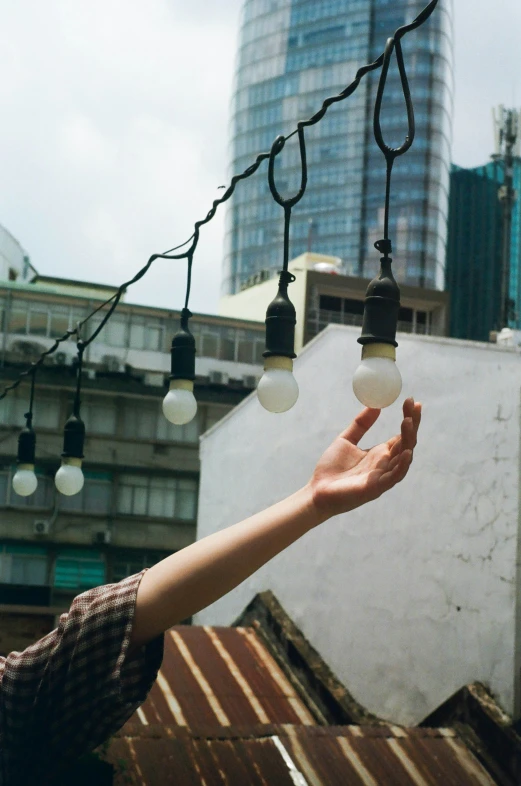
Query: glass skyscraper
293, 54
474, 251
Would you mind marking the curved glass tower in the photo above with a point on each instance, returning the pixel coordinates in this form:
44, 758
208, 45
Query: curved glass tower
292, 55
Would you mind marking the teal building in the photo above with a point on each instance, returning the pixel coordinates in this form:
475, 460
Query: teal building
474, 243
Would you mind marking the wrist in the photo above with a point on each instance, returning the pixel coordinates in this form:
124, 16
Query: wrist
314, 512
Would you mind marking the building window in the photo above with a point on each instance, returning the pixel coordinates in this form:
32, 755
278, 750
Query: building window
126, 564
214, 414
95, 496
145, 421
23, 565
42, 498
79, 569
99, 415
46, 411
59, 321
140, 495
146, 333
17, 321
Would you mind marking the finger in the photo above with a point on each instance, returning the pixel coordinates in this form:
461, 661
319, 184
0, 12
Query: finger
398, 471
417, 415
360, 425
408, 407
408, 434
395, 445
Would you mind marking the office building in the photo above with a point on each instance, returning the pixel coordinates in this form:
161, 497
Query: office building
139, 501
474, 251
322, 295
293, 54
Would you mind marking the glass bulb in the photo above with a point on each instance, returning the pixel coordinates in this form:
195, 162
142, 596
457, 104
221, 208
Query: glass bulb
24, 480
377, 383
69, 479
179, 404
277, 390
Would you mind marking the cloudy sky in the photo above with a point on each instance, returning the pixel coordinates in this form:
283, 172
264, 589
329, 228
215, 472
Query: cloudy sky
113, 138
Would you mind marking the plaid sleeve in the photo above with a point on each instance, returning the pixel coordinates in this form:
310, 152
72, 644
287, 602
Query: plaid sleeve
66, 694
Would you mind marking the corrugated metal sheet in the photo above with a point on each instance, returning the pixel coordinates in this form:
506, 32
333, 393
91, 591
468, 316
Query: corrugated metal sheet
220, 677
223, 713
295, 756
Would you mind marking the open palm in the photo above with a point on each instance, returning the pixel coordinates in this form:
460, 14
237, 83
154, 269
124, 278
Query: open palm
347, 476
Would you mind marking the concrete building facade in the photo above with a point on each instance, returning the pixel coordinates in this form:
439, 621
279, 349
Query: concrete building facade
322, 296
139, 501
417, 593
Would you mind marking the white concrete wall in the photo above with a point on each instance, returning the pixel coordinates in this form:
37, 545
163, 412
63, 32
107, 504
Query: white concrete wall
414, 595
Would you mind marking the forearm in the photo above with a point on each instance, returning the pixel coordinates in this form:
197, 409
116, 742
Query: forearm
200, 574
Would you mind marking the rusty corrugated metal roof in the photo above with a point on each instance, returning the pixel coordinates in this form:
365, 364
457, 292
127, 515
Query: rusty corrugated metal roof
220, 677
291, 755
224, 713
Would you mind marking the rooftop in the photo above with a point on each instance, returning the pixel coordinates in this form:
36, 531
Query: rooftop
256, 704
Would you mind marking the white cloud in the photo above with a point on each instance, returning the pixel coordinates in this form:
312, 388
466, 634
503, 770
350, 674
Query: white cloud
114, 132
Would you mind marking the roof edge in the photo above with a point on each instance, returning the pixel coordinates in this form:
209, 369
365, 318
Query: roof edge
316, 684
491, 734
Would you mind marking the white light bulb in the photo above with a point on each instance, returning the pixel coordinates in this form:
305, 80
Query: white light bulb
24, 480
179, 404
377, 383
69, 479
278, 390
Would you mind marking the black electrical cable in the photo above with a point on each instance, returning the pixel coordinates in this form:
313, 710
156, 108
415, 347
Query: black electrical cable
194, 238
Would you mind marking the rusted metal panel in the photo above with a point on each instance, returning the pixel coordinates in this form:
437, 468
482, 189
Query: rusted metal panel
387, 755
224, 676
295, 755
223, 713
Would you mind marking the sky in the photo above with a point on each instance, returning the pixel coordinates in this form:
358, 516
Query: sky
114, 141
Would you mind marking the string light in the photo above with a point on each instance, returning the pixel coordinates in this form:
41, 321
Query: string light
376, 382
278, 390
179, 404
69, 479
25, 481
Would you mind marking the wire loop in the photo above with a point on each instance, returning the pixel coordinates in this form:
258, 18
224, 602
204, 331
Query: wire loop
229, 190
390, 152
276, 148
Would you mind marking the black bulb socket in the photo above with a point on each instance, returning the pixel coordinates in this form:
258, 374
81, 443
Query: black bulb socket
182, 352
382, 304
280, 323
26, 446
73, 438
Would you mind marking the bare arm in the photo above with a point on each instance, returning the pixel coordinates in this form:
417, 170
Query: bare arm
344, 478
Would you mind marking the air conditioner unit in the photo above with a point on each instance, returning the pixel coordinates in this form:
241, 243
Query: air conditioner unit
41, 526
249, 381
102, 537
27, 348
218, 377
113, 363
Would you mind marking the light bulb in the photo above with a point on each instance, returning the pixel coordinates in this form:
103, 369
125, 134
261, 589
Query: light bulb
24, 480
179, 404
69, 479
377, 383
278, 390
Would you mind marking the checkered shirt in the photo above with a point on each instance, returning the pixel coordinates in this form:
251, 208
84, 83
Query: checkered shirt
69, 692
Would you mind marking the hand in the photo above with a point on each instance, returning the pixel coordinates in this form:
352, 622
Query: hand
347, 477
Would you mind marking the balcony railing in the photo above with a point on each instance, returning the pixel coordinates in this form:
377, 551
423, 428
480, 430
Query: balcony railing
320, 319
